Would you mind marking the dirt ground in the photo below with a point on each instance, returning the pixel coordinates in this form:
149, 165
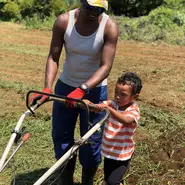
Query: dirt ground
162, 68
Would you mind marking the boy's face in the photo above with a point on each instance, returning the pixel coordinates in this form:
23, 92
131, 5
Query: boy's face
123, 94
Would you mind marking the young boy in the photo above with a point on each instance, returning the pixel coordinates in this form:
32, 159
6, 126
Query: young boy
117, 144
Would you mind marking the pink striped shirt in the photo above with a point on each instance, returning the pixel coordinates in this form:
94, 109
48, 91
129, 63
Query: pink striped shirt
118, 143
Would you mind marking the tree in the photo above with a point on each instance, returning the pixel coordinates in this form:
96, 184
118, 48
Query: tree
133, 8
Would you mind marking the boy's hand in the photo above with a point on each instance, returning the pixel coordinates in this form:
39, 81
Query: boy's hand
87, 101
100, 107
95, 107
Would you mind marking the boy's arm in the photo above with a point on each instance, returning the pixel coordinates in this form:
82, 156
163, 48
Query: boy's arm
122, 118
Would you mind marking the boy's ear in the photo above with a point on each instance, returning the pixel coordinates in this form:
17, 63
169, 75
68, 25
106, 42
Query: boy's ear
136, 96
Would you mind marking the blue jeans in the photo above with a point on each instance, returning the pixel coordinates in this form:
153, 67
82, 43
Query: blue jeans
64, 121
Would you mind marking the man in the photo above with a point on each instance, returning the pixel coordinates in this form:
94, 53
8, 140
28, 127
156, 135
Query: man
90, 38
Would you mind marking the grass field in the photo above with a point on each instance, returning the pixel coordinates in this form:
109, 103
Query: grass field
159, 158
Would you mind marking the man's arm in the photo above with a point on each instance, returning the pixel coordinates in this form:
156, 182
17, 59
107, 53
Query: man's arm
57, 42
108, 53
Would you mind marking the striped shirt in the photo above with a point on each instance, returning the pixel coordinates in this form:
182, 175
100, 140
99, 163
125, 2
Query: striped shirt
117, 142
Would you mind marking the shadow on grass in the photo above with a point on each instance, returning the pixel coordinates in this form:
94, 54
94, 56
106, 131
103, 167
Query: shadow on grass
31, 177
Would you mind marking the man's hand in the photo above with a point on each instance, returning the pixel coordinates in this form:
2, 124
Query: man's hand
76, 94
39, 98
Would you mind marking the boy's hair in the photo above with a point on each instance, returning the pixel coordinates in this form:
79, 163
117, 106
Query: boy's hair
133, 80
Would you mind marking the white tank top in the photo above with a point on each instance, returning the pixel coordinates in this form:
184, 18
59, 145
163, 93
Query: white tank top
83, 53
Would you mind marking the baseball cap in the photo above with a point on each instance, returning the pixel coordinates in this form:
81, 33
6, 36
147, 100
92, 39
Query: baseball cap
98, 3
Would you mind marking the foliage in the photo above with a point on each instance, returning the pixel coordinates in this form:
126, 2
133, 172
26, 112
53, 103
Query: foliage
26, 7
57, 6
133, 8
72, 4
162, 24
2, 3
42, 9
23, 8
11, 10
36, 23
162, 17
178, 18
177, 4
159, 23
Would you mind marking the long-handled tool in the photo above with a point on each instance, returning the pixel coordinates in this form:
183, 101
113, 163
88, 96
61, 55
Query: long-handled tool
25, 138
62, 161
70, 152
15, 132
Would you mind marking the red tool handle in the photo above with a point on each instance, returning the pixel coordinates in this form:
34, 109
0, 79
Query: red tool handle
26, 137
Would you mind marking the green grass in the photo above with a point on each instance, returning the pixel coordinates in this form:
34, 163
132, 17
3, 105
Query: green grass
24, 49
37, 153
162, 130
18, 87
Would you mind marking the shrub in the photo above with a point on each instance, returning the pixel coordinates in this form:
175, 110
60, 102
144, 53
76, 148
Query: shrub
174, 4
11, 10
133, 8
36, 23
71, 4
178, 18
165, 17
161, 17
57, 6
26, 4
175, 35
161, 25
26, 7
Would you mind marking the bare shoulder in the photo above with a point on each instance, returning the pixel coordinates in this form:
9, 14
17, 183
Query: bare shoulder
61, 22
111, 28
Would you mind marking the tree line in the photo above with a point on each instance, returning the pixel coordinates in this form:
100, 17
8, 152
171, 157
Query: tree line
141, 20
19, 9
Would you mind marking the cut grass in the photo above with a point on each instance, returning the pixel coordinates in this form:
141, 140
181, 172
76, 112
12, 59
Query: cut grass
17, 87
25, 49
37, 154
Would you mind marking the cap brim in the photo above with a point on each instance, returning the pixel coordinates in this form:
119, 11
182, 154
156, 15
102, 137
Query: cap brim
98, 5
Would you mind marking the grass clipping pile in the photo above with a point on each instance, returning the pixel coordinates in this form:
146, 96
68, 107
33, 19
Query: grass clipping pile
169, 152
